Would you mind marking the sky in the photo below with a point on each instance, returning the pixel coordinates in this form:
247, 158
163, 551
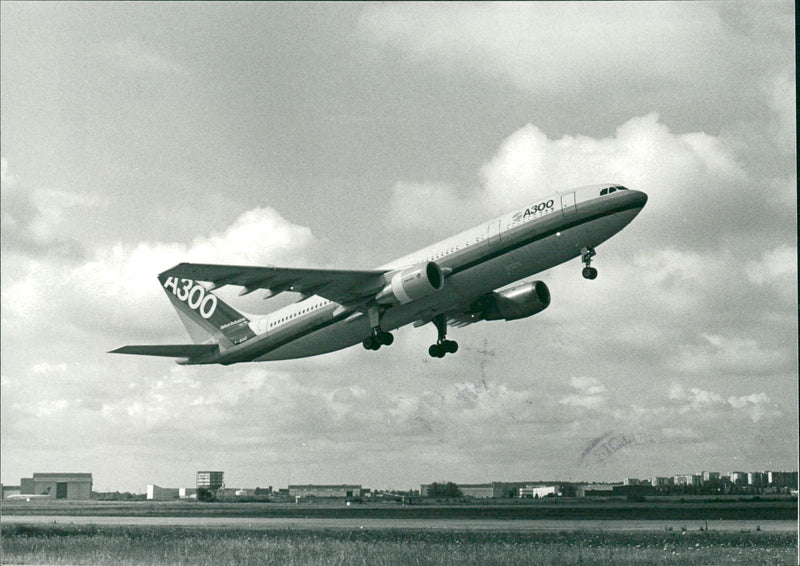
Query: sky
343, 135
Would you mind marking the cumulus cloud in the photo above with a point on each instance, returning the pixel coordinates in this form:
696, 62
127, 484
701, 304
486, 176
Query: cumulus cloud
695, 398
524, 42
781, 92
116, 287
775, 265
39, 220
590, 393
133, 55
717, 354
643, 153
754, 406
7, 180
680, 172
427, 205
676, 270
52, 206
588, 385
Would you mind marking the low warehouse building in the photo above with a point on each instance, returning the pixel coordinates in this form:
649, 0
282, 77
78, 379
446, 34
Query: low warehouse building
325, 490
9, 490
58, 486
538, 491
157, 493
187, 493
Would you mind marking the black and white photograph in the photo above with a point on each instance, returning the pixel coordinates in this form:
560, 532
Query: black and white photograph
399, 283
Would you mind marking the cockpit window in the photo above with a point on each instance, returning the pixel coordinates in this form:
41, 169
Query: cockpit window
609, 190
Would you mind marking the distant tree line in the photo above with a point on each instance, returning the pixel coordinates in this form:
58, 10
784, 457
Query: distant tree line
117, 496
444, 489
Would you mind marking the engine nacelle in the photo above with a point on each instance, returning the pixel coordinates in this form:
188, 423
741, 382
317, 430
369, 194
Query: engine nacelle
521, 301
411, 284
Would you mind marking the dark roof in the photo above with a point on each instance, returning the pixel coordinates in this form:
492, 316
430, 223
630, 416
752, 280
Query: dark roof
63, 476
312, 486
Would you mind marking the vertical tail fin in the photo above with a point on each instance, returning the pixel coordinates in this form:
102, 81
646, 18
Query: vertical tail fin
206, 316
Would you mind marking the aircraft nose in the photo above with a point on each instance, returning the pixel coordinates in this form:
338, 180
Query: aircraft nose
639, 198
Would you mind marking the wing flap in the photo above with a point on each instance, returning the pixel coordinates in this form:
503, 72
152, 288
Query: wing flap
169, 350
337, 285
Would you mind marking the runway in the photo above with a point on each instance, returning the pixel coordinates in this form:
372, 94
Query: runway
515, 525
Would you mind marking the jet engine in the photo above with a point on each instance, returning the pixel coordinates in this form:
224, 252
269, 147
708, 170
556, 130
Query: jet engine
520, 301
412, 283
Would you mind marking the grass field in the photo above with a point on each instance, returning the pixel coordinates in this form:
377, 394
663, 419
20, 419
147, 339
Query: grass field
151, 545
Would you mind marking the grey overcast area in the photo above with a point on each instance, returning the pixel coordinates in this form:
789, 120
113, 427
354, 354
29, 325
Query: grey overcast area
343, 135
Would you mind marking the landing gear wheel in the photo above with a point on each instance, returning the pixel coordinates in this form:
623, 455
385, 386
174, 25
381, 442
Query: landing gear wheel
378, 337
436, 351
443, 345
587, 254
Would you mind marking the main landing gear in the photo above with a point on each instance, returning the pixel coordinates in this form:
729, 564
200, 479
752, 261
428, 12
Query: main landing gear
587, 254
378, 337
442, 346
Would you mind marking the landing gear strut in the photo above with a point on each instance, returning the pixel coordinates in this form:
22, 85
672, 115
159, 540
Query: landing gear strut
443, 345
587, 254
378, 337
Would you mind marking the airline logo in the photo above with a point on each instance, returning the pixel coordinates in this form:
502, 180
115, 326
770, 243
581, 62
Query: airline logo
540, 209
193, 294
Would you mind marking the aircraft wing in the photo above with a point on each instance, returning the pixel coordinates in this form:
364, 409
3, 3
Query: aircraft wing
457, 317
460, 319
341, 286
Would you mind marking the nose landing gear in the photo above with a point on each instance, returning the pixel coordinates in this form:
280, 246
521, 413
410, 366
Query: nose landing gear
443, 345
587, 254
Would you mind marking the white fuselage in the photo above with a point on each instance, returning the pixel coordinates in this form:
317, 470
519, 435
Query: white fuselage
529, 240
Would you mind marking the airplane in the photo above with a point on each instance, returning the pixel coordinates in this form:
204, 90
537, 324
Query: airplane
28, 496
470, 277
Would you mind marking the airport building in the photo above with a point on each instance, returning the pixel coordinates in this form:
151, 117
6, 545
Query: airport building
325, 490
58, 486
738, 478
757, 479
782, 479
492, 490
688, 479
539, 491
187, 493
595, 489
479, 490
156, 493
210, 480
8, 490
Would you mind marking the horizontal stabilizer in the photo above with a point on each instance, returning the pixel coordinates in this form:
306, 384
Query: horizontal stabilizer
169, 350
